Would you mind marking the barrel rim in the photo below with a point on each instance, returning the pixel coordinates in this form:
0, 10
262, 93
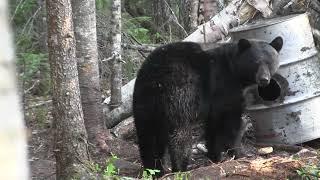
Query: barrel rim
280, 141
302, 98
312, 54
264, 23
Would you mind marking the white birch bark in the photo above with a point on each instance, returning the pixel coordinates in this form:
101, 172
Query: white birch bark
116, 76
84, 20
13, 144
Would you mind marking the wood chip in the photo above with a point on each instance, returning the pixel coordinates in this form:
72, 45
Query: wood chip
265, 150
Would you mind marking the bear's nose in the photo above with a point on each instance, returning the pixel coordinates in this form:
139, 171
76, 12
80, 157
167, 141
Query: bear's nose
264, 81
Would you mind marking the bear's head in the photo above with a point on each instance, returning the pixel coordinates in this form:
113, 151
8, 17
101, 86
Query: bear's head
257, 61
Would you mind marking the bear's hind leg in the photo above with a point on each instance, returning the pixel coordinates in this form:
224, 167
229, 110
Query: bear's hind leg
152, 149
161, 144
180, 145
146, 148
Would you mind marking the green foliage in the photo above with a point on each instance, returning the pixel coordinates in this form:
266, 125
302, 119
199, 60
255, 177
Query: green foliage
103, 4
181, 176
24, 43
41, 115
158, 36
309, 172
129, 68
94, 167
140, 19
133, 27
111, 170
21, 12
32, 63
35, 66
148, 174
141, 34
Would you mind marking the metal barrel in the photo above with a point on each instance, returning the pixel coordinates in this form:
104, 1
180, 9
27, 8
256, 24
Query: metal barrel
286, 111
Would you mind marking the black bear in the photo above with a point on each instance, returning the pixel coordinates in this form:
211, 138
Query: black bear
180, 84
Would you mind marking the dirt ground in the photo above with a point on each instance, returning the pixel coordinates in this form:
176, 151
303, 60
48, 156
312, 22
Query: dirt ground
41, 145
42, 162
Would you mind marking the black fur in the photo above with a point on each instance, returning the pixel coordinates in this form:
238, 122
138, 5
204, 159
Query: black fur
180, 84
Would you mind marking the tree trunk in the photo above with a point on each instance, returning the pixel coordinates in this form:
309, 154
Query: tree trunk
194, 13
71, 149
41, 26
116, 76
13, 151
160, 14
209, 8
84, 18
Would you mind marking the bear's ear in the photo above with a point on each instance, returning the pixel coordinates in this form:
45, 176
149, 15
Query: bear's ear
243, 44
277, 43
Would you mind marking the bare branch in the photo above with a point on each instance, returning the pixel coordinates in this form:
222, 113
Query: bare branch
31, 18
175, 19
143, 47
131, 38
16, 10
109, 58
32, 86
39, 104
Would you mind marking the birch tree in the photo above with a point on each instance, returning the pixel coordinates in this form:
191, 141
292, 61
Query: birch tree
84, 19
13, 151
116, 76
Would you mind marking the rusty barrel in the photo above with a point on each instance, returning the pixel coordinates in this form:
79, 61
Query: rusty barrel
286, 111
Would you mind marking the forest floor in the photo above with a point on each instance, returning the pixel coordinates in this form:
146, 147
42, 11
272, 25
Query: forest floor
40, 142
280, 163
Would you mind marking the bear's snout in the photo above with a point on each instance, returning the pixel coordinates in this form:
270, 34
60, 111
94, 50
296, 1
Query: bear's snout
263, 81
263, 75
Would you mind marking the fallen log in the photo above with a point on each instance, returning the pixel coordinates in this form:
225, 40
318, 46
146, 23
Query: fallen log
125, 130
260, 167
115, 116
143, 48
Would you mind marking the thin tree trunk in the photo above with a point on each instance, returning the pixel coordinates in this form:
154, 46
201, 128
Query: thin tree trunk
162, 16
210, 8
13, 151
159, 14
84, 18
41, 26
194, 13
116, 76
71, 149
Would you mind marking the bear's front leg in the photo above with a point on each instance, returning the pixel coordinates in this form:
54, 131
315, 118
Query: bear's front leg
214, 141
223, 131
231, 136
